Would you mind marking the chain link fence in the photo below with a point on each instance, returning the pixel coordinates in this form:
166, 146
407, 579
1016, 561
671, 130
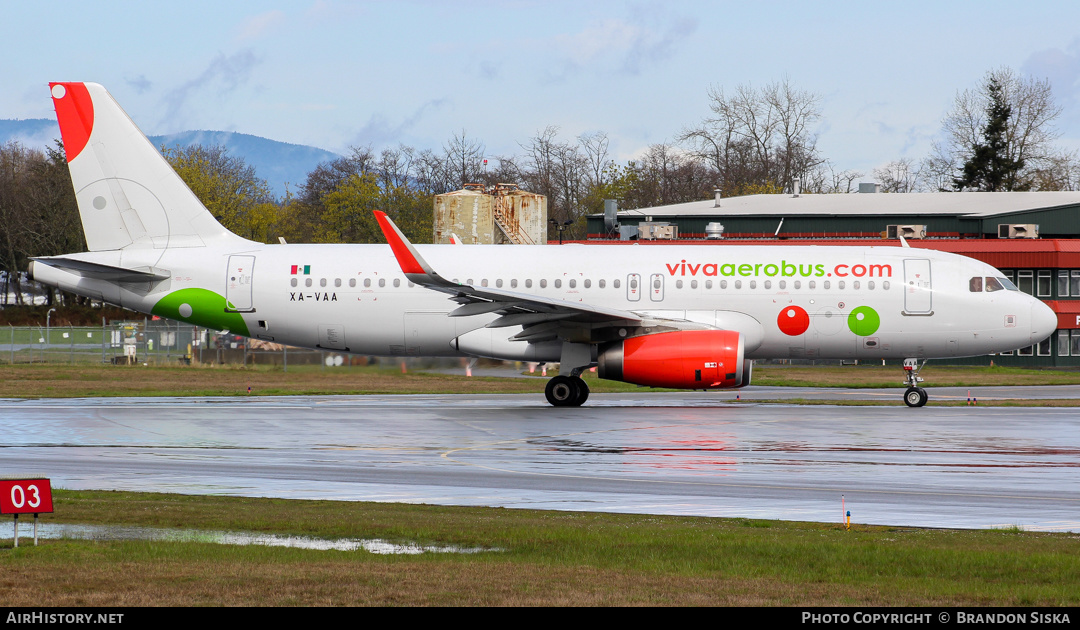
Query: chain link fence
154, 342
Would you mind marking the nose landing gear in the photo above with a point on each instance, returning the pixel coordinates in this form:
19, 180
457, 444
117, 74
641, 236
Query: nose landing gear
914, 396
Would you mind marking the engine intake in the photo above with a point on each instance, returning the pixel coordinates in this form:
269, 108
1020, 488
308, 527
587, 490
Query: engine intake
685, 359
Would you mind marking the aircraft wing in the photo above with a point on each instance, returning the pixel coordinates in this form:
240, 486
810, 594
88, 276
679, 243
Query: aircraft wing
541, 316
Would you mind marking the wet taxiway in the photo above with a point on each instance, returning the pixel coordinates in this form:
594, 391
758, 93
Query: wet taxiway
689, 453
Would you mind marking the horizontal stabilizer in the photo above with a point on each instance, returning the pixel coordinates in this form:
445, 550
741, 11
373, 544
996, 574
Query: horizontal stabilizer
103, 272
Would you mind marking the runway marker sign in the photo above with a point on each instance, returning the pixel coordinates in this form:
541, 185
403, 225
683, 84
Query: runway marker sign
25, 496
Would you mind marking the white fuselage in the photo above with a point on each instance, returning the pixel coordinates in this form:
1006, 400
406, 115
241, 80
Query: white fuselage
787, 301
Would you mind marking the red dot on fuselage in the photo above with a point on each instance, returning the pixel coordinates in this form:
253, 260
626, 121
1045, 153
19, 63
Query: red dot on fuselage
793, 320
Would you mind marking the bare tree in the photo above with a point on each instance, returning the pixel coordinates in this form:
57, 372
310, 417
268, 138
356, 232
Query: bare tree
898, 176
1029, 133
758, 138
464, 159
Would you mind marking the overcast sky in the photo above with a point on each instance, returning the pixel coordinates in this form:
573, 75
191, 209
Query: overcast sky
335, 74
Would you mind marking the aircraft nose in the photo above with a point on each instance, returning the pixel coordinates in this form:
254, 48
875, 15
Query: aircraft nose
1043, 321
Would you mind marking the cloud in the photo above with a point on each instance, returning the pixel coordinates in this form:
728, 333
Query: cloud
1061, 67
630, 45
258, 25
379, 130
140, 83
225, 73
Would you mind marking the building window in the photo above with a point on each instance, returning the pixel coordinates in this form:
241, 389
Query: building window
1074, 346
1042, 286
1026, 351
1044, 347
1025, 281
1063, 343
1063, 283
1074, 283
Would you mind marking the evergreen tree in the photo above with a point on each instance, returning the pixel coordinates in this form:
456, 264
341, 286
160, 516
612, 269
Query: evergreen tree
989, 168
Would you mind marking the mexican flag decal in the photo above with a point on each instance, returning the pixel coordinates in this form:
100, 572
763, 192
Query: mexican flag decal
301, 269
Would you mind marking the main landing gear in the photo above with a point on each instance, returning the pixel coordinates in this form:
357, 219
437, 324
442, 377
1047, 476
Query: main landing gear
914, 396
566, 391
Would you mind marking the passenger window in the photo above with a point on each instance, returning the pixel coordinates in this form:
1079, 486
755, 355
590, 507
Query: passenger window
307, 282
293, 283
513, 283
543, 284
367, 282
992, 284
855, 285
723, 284
678, 284
798, 284
498, 283
382, 282
826, 285
483, 282
840, 285
337, 282
693, 284
708, 284
558, 284
768, 284
397, 282
812, 285
602, 283
352, 282
738, 284
753, 284
616, 284
322, 282
870, 285
528, 283
975, 285
588, 283
783, 284
573, 284
633, 283
885, 285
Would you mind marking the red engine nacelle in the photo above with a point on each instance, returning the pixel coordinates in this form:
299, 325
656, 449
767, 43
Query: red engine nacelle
685, 359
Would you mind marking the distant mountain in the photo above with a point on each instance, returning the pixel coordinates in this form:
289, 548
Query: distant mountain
276, 162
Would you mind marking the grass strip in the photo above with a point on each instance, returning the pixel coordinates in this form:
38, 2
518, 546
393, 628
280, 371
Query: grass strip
548, 558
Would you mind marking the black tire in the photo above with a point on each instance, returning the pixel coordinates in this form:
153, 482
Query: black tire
583, 392
562, 391
915, 397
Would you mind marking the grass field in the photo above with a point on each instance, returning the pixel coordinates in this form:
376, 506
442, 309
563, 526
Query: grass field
63, 381
544, 558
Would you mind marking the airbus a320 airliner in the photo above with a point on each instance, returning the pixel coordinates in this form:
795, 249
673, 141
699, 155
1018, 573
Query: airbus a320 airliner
691, 317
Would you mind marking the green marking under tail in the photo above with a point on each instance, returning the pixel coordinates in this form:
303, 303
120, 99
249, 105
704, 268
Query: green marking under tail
203, 308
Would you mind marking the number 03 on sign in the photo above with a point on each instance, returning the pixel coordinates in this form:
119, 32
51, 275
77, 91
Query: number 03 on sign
25, 496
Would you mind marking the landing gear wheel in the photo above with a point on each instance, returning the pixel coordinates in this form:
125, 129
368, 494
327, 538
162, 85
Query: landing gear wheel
915, 397
563, 391
583, 392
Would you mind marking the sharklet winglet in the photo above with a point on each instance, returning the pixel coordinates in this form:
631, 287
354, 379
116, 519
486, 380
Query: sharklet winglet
412, 264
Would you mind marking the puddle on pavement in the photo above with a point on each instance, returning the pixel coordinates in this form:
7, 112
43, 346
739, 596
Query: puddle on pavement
118, 532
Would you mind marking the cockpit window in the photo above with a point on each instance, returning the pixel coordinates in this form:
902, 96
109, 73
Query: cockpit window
992, 284
975, 284
1005, 282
